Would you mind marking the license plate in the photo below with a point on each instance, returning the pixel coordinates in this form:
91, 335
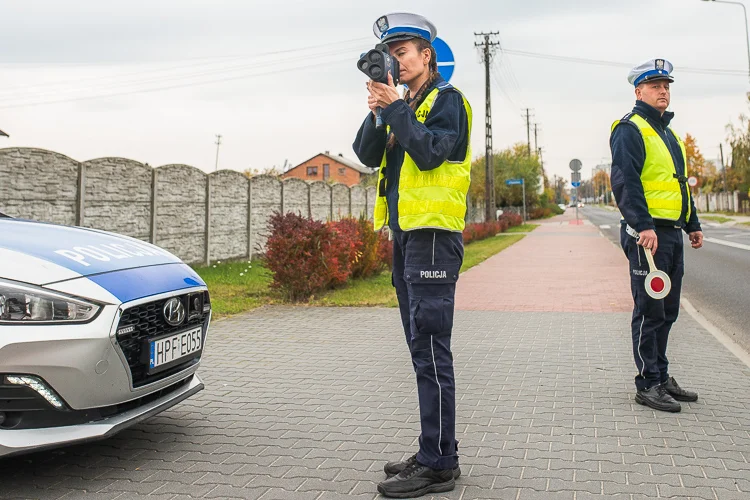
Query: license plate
168, 350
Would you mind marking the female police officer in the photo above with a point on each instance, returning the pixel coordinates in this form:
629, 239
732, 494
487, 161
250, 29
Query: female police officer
424, 162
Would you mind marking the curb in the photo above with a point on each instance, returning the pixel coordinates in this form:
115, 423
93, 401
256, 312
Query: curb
722, 337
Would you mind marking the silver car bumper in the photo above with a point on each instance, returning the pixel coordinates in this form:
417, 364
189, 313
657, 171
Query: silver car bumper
20, 441
91, 381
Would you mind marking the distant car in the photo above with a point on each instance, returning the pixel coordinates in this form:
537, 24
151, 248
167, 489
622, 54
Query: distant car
580, 205
98, 332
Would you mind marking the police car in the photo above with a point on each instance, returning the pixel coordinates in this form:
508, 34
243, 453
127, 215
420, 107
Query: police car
97, 332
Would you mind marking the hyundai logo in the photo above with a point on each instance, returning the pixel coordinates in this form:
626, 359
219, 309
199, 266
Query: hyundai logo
174, 311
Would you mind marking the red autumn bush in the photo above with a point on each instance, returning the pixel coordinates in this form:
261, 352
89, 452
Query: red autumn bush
346, 249
366, 261
306, 256
540, 213
385, 251
512, 219
303, 255
476, 231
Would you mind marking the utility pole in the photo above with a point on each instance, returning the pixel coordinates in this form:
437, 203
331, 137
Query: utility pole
539, 154
218, 143
723, 168
528, 133
488, 50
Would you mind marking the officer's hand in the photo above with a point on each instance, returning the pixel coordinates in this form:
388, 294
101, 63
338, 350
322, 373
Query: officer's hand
647, 239
384, 94
696, 239
372, 103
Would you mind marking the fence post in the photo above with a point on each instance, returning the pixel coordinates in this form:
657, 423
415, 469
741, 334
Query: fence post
309, 201
207, 231
249, 218
153, 207
81, 194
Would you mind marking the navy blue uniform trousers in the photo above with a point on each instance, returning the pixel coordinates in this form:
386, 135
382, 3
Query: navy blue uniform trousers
652, 319
425, 271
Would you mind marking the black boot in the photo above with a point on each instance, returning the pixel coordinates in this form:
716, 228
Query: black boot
657, 398
678, 392
393, 468
417, 480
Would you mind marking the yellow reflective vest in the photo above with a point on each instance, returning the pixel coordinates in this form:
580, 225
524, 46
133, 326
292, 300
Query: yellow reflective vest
433, 199
662, 190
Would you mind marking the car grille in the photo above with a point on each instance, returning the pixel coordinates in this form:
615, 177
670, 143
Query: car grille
144, 322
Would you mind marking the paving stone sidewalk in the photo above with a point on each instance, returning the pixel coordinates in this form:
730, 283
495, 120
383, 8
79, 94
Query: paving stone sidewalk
308, 403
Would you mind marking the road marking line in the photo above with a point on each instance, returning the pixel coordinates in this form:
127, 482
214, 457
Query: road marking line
605, 226
728, 243
722, 337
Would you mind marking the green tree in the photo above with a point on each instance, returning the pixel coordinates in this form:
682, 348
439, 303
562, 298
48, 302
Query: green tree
510, 163
738, 174
701, 169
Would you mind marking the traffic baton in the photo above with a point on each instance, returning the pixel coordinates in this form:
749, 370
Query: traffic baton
658, 283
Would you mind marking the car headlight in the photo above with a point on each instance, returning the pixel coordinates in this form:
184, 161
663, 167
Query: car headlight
22, 304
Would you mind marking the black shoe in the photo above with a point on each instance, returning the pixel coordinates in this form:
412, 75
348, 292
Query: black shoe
678, 392
657, 398
393, 468
417, 480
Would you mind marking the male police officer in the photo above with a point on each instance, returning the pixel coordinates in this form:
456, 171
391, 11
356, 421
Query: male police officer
649, 180
424, 160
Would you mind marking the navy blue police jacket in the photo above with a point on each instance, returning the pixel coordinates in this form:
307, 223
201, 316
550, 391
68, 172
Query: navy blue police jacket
443, 136
628, 157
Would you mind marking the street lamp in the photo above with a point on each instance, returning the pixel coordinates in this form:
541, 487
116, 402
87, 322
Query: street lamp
747, 36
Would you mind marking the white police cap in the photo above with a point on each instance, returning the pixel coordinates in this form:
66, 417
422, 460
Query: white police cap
403, 26
653, 69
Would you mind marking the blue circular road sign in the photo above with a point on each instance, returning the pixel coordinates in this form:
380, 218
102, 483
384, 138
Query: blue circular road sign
445, 60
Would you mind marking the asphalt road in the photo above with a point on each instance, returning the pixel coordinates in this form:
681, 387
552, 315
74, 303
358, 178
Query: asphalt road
717, 277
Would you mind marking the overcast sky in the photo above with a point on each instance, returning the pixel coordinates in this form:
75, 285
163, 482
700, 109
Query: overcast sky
278, 79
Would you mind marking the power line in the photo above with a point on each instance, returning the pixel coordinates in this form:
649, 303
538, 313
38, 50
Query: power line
501, 87
183, 76
170, 87
598, 62
507, 68
211, 60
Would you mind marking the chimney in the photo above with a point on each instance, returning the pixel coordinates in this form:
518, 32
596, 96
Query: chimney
328, 152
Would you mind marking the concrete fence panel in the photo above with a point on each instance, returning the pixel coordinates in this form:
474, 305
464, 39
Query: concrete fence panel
117, 196
341, 201
359, 201
39, 184
181, 211
372, 193
266, 199
296, 197
228, 233
320, 201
